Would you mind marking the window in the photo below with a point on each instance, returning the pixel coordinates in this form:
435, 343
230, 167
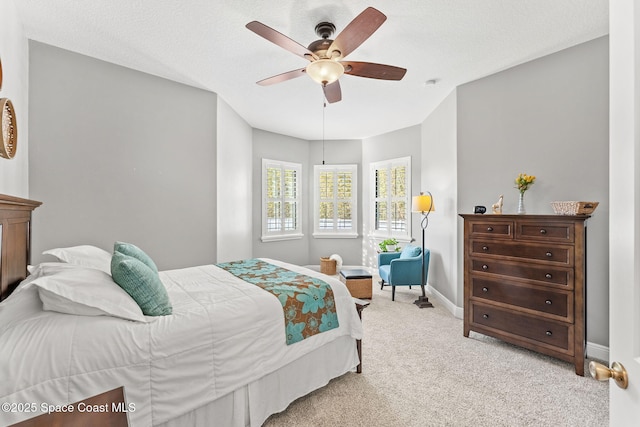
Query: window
281, 200
335, 208
391, 204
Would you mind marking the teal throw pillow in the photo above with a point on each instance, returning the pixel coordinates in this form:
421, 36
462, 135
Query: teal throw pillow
410, 251
142, 283
134, 251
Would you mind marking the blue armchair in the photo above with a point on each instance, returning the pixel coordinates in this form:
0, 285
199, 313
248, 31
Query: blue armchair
402, 268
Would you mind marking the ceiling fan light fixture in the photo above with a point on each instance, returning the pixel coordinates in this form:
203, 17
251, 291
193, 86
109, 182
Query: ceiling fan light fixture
325, 71
325, 55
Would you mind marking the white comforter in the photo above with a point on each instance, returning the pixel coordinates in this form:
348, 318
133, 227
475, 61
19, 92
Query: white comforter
223, 334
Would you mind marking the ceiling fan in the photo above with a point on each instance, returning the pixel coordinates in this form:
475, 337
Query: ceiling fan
325, 56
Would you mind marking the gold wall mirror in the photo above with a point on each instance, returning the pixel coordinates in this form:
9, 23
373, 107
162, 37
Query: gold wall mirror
9, 133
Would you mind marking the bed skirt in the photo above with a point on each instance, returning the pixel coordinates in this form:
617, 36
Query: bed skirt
252, 404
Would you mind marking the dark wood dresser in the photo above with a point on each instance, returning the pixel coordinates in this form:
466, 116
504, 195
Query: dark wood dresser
15, 241
525, 281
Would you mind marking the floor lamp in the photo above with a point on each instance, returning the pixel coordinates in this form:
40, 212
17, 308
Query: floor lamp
423, 204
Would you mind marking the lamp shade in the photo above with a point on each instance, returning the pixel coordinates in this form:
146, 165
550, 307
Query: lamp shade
325, 71
422, 203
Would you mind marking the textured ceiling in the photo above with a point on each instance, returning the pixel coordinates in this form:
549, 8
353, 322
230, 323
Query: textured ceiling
204, 43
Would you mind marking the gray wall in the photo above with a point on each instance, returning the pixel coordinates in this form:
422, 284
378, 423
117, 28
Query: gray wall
14, 173
274, 146
548, 118
337, 152
234, 176
440, 176
400, 143
116, 154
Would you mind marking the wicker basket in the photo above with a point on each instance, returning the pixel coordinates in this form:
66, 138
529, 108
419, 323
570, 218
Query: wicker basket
327, 266
574, 208
359, 288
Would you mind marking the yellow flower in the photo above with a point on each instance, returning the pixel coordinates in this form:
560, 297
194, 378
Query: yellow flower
524, 181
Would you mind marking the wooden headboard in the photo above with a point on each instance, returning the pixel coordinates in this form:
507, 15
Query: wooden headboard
15, 241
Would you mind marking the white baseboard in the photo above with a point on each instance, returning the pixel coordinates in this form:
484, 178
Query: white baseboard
457, 312
597, 351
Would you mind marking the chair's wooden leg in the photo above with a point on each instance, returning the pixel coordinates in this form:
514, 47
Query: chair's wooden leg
393, 293
381, 284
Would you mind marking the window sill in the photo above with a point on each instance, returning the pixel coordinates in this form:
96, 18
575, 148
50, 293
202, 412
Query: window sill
281, 237
335, 235
400, 239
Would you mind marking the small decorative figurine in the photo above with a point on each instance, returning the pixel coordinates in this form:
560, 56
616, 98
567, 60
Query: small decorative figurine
497, 207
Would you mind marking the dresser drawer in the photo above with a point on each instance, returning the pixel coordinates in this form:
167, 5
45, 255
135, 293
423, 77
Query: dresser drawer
540, 299
530, 251
549, 275
545, 231
544, 331
500, 229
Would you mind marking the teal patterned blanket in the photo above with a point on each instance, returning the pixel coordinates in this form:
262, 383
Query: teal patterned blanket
307, 302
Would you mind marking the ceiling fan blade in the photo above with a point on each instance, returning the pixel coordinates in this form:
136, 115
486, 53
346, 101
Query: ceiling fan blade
332, 92
281, 40
282, 77
356, 32
373, 71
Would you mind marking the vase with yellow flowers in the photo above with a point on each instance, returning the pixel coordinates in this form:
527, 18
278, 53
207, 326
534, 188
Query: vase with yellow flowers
523, 182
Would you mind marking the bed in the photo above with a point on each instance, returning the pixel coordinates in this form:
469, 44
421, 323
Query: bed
220, 358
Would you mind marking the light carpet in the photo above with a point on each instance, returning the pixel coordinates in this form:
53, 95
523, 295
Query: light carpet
419, 370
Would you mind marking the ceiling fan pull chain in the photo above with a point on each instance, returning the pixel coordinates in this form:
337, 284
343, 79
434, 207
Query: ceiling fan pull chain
324, 106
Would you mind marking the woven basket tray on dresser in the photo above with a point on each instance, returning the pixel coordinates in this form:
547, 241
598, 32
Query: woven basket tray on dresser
574, 208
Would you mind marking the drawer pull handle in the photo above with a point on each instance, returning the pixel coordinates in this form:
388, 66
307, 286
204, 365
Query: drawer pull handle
548, 302
548, 275
489, 228
549, 333
485, 267
549, 254
485, 316
485, 248
485, 289
543, 231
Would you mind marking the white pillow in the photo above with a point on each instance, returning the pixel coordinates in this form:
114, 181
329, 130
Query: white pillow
39, 270
84, 255
87, 292
48, 268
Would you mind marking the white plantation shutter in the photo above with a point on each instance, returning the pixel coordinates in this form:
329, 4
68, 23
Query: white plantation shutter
390, 210
281, 200
335, 207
